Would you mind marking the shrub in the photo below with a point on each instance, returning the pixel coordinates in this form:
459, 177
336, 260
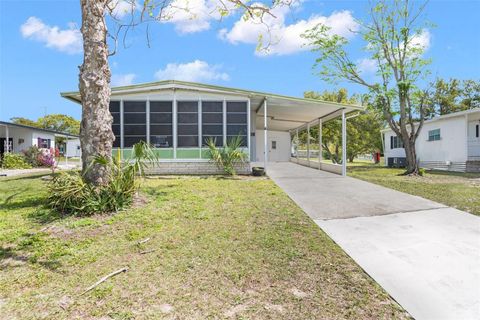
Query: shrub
422, 172
47, 159
69, 193
228, 156
14, 161
31, 156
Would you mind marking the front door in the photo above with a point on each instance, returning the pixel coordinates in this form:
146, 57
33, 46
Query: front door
273, 153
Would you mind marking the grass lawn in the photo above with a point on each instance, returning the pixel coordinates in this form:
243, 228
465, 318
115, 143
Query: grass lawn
458, 190
224, 248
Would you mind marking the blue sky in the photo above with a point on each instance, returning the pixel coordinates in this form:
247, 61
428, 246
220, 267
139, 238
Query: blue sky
40, 50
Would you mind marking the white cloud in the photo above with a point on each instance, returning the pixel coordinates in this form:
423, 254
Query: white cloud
366, 66
120, 8
282, 38
119, 80
190, 16
67, 40
422, 40
194, 71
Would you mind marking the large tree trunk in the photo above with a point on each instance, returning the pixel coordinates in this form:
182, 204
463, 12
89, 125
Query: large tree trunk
411, 156
96, 136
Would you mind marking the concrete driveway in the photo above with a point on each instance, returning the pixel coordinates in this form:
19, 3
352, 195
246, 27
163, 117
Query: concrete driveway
424, 254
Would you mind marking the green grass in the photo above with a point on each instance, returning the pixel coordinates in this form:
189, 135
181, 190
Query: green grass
458, 190
223, 249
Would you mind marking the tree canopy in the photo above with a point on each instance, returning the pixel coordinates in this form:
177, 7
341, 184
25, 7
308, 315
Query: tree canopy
453, 95
363, 131
391, 37
55, 122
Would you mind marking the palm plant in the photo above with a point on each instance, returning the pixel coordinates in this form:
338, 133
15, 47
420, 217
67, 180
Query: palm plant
69, 192
228, 156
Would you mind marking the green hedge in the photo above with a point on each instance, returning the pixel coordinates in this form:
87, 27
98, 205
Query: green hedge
14, 161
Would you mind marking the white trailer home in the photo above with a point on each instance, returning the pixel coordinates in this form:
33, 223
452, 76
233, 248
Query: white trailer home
449, 142
177, 117
16, 138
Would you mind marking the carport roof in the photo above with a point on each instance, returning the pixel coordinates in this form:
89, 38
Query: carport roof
283, 112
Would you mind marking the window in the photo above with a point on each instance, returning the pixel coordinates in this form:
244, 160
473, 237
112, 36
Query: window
161, 124
274, 145
134, 122
395, 142
434, 135
477, 131
187, 124
237, 121
115, 112
212, 122
43, 143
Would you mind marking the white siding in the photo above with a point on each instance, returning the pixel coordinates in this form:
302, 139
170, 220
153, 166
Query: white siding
73, 148
282, 140
43, 135
450, 147
21, 137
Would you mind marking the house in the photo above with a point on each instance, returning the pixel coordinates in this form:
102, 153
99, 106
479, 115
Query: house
448, 142
21, 137
178, 117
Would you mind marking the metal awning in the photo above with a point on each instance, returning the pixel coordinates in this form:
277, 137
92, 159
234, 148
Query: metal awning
285, 115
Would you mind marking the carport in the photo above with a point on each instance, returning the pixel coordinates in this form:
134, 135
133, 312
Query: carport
276, 113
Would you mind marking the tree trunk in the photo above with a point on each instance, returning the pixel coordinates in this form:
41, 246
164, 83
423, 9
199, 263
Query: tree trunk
411, 156
96, 136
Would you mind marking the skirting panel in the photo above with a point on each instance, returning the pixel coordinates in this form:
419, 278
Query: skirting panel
193, 168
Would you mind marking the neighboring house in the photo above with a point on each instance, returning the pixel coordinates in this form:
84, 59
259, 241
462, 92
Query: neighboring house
21, 137
449, 142
177, 118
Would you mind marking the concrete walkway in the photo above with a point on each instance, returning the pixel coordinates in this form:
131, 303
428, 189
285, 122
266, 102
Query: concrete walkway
424, 254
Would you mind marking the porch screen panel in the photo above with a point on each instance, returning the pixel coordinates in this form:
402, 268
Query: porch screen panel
237, 121
212, 122
161, 125
134, 122
187, 124
115, 112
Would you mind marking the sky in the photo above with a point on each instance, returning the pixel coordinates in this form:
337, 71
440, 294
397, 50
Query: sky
41, 49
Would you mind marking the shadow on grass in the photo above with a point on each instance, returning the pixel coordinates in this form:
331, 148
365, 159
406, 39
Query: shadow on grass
45, 215
14, 257
9, 258
26, 203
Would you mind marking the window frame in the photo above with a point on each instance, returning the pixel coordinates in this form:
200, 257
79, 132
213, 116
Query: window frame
433, 136
179, 124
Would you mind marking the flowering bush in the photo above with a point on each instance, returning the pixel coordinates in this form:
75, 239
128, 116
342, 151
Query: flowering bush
47, 159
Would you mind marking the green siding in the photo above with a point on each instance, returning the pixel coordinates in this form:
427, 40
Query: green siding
205, 153
193, 153
164, 153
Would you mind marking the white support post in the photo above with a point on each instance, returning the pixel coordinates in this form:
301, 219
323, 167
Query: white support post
298, 142
265, 135
200, 141
174, 115
147, 120
248, 130
344, 144
308, 144
224, 122
65, 153
320, 147
121, 130
7, 140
